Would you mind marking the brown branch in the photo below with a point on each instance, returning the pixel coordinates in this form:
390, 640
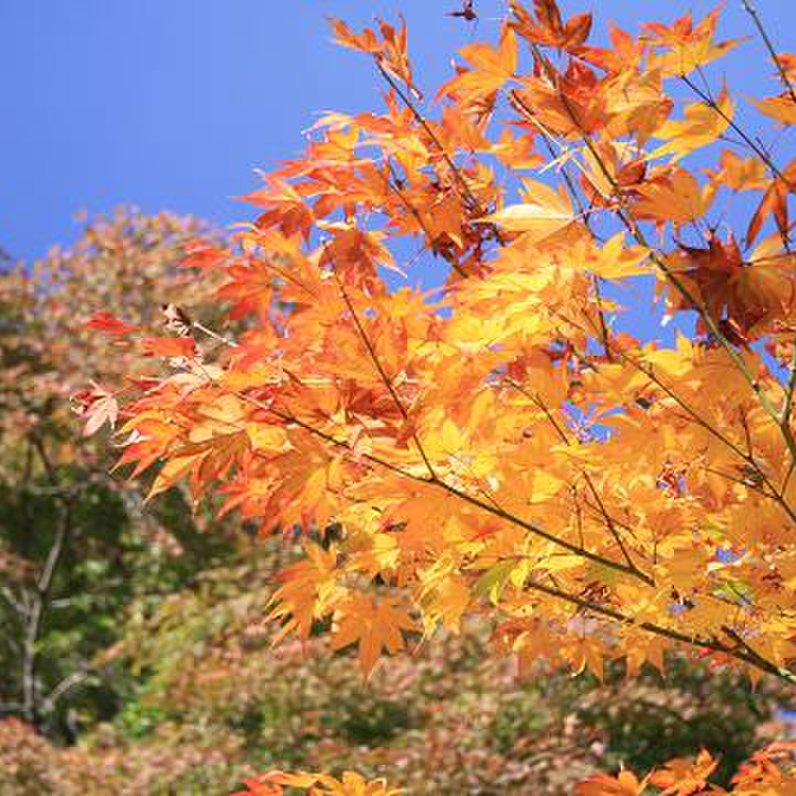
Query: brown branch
740, 651
39, 598
384, 377
62, 689
31, 708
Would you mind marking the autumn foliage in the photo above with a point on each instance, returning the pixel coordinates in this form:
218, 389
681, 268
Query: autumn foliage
513, 442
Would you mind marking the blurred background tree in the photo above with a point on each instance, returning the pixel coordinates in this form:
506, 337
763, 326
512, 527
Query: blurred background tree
75, 545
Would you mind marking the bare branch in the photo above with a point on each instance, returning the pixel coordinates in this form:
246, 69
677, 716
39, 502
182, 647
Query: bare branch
752, 11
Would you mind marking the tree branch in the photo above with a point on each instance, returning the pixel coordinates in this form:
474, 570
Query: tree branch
742, 651
438, 483
752, 11
385, 378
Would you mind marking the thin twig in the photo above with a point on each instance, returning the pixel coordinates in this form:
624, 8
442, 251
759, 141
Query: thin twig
385, 378
786, 81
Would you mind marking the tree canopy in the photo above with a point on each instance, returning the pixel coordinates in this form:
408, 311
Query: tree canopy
511, 443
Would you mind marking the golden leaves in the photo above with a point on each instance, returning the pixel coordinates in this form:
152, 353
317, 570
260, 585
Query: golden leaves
702, 125
616, 260
350, 783
506, 443
624, 784
781, 108
766, 773
684, 47
673, 195
390, 51
739, 174
491, 69
309, 589
543, 212
682, 777
546, 26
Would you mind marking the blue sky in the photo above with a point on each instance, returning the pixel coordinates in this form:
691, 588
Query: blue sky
172, 104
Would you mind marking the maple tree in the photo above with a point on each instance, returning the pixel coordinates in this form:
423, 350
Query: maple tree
509, 443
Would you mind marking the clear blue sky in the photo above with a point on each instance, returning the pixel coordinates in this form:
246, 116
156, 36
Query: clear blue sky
172, 104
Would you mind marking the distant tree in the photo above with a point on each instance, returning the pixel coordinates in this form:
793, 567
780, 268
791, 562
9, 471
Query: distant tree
72, 536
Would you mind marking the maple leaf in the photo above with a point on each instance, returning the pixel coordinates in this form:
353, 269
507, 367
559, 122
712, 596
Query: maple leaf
105, 322
491, 69
569, 105
686, 46
624, 54
96, 407
762, 773
285, 208
624, 784
547, 27
747, 292
200, 254
390, 52
702, 125
543, 213
175, 469
375, 624
616, 260
350, 784
445, 598
673, 195
309, 589
250, 288
683, 777
781, 108
168, 346
516, 152
737, 173
774, 203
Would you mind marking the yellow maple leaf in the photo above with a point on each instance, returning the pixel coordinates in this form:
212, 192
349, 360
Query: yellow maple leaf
543, 212
625, 783
675, 196
702, 125
492, 68
781, 108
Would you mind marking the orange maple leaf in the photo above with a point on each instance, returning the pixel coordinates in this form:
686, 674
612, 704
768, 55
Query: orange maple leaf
375, 624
